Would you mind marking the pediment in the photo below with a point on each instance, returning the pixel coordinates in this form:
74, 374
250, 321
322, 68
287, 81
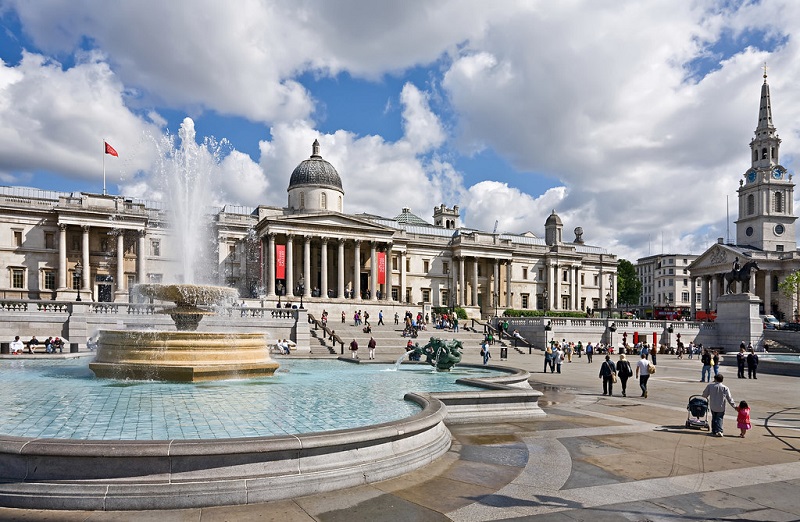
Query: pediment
328, 221
717, 257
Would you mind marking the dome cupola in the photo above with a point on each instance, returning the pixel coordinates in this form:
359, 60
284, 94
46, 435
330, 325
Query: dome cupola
315, 185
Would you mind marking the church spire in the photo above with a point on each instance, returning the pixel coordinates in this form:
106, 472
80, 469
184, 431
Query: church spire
765, 110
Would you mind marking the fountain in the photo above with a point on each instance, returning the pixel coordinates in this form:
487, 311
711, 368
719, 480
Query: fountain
443, 355
184, 355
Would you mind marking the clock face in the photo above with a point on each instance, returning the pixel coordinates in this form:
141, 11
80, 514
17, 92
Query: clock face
779, 229
777, 173
751, 176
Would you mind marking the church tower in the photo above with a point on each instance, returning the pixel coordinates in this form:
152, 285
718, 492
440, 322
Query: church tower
766, 191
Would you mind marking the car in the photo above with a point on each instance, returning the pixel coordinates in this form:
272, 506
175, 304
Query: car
792, 327
771, 322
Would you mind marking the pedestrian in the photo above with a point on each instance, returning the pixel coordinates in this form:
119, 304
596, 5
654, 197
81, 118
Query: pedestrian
608, 373
380, 317
396, 318
559, 358
579, 349
371, 346
343, 317
16, 346
741, 360
643, 373
717, 394
455, 323
645, 350
715, 360
354, 349
653, 354
705, 373
743, 418
549, 359
624, 372
589, 352
485, 353
32, 344
752, 364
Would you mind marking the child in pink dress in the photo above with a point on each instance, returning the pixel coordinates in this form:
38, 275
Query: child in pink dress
743, 418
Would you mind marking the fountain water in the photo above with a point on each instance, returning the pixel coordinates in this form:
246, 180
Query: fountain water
186, 173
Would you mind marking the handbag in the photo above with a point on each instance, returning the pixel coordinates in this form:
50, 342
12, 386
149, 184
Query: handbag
651, 369
614, 377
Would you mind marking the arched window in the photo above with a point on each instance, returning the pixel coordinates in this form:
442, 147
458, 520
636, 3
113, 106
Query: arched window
772, 152
340, 203
323, 201
764, 153
302, 200
755, 155
751, 204
778, 202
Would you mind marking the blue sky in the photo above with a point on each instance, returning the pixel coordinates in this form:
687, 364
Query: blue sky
602, 111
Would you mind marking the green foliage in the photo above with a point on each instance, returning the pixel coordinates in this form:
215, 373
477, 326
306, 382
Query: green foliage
460, 312
790, 287
629, 288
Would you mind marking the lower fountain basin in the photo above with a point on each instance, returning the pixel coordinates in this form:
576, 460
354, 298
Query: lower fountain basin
181, 356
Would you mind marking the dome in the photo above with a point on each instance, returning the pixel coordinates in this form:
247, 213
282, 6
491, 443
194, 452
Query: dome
553, 219
315, 171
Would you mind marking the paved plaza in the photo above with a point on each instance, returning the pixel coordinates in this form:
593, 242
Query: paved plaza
592, 458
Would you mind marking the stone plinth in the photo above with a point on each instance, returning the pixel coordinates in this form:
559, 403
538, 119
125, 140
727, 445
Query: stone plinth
737, 320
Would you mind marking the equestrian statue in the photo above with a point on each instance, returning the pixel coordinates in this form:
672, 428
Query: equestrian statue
739, 274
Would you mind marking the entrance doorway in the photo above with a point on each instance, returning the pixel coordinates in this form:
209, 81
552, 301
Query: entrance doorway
104, 293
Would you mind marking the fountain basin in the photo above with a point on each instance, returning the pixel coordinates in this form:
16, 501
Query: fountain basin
181, 356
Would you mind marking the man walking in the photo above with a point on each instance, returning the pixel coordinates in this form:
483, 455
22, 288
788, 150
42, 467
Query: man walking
717, 394
380, 317
643, 373
371, 345
705, 358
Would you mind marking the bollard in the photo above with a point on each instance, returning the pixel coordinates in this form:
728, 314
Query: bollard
73, 347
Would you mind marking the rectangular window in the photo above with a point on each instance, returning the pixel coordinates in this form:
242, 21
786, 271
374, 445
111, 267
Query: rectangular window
426, 295
541, 274
596, 280
155, 247
445, 267
685, 297
49, 240
524, 272
49, 280
565, 276
685, 282
779, 248
670, 271
232, 253
17, 278
525, 299
445, 301
76, 242
425, 266
394, 265
408, 264
18, 238
131, 281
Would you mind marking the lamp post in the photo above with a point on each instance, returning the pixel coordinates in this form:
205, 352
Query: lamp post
547, 328
611, 329
280, 293
544, 296
301, 284
79, 274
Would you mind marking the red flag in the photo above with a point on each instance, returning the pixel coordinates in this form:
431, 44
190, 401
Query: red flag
280, 261
110, 150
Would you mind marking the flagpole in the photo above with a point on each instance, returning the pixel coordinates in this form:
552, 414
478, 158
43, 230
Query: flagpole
104, 167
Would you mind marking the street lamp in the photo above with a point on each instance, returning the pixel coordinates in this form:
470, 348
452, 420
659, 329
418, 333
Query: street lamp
280, 292
301, 284
544, 296
79, 274
611, 329
547, 328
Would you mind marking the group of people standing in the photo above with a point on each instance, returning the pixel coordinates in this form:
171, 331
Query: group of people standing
746, 357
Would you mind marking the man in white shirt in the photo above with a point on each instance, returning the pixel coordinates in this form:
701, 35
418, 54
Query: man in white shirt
643, 373
16, 346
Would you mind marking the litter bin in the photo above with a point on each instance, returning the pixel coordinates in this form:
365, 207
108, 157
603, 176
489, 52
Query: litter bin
5, 348
503, 353
73, 347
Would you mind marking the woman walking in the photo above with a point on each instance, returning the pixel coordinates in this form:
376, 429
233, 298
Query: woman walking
624, 371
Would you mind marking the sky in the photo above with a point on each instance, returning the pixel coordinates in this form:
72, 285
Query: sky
630, 119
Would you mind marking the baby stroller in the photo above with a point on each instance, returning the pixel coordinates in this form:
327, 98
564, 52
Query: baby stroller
697, 418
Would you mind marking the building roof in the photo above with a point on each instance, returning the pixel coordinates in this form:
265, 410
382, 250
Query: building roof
406, 217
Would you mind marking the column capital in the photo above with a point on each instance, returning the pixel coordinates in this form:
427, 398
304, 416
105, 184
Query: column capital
142, 233
307, 239
62, 226
324, 240
357, 242
340, 240
271, 235
85, 228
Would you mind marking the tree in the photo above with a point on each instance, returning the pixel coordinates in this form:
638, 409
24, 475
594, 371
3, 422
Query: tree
790, 287
629, 288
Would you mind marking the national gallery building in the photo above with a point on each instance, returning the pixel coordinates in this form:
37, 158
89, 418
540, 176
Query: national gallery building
93, 247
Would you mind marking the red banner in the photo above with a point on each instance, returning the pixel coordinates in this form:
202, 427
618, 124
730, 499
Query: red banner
381, 268
280, 261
